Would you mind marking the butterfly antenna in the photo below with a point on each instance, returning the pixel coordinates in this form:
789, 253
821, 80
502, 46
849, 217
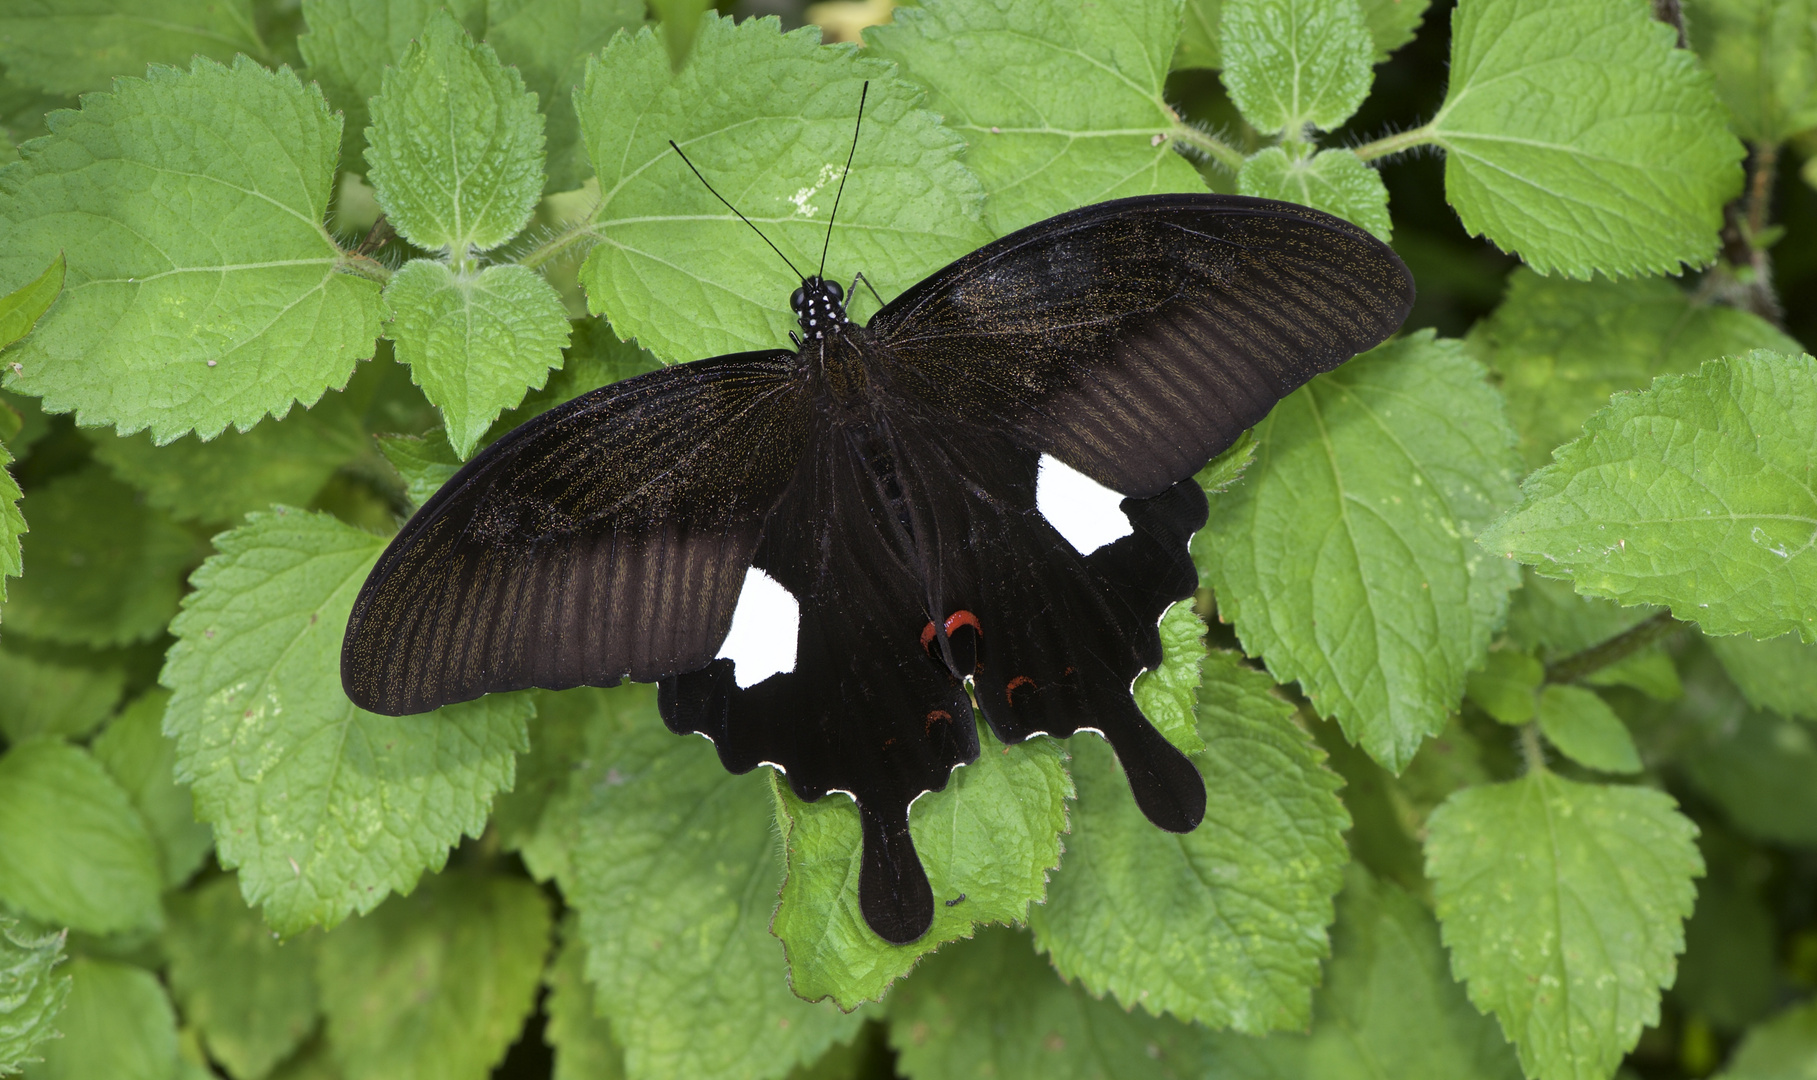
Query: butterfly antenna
734, 209
856, 124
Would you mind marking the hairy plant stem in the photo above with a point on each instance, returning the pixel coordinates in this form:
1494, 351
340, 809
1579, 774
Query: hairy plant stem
1210, 145
1396, 143
1625, 644
575, 232
1531, 749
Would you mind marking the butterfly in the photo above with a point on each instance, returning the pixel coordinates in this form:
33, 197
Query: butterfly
885, 475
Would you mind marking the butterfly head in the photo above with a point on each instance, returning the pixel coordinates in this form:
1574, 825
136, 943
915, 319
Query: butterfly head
819, 306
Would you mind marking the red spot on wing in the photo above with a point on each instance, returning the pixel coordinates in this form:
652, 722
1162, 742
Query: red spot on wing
960, 618
927, 634
937, 714
1009, 692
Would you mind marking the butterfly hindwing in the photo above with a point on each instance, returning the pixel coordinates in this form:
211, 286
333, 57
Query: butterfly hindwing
1135, 339
607, 538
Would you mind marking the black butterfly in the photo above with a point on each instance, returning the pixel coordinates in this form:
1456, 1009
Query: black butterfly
885, 475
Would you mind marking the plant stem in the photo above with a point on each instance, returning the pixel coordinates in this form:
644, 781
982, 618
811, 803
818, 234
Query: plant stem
1394, 144
1531, 749
1211, 146
1625, 644
576, 232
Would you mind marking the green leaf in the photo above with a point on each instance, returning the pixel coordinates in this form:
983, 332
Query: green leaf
581, 1038
252, 996
1562, 347
31, 993
1755, 765
549, 41
1335, 181
456, 144
66, 48
324, 808
540, 816
987, 842
73, 851
674, 869
1506, 685
474, 341
279, 461
12, 524
21, 308
425, 462
991, 1008
1168, 694
1650, 671
105, 568
142, 761
117, 1024
1198, 47
1068, 109
1346, 555
594, 358
1388, 1006
203, 289
1728, 974
679, 272
1392, 23
1227, 468
1783, 1048
435, 984
1763, 54
680, 26
1224, 925
1563, 907
1291, 65
1586, 730
1696, 494
1780, 674
49, 697
1549, 619
1579, 138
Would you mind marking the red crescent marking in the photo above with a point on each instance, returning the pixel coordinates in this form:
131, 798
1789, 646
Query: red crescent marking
960, 618
1009, 692
927, 634
937, 714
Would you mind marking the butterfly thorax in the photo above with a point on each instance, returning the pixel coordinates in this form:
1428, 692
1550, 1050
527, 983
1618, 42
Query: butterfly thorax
830, 341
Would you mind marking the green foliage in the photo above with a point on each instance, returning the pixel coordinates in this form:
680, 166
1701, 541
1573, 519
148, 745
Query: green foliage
1755, 765
988, 843
1695, 494
1068, 109
203, 289
117, 1023
1366, 584
1780, 674
323, 807
1586, 730
252, 997
21, 308
73, 851
1335, 181
582, 1039
435, 984
1623, 169
142, 761
423, 462
12, 524
1506, 686
991, 1008
32, 993
47, 697
1168, 694
1784, 1048
1387, 1007
1763, 54
65, 48
1563, 906
1295, 64
1204, 947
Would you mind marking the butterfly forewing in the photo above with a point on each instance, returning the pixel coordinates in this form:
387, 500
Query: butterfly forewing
607, 538
1135, 339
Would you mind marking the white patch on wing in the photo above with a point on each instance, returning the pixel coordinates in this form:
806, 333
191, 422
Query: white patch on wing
761, 642
1079, 508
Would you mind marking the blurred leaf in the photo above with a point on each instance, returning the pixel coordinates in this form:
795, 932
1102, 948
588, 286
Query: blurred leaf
1650, 671
1198, 47
435, 985
1224, 925
252, 996
203, 289
1562, 347
1580, 139
117, 1024
1391, 23
1069, 108
1563, 905
1586, 730
12, 523
1335, 181
1757, 766
1763, 54
1547, 618
581, 1038
474, 341
32, 993
1507, 685
67, 47
47, 697
1783, 1048
1388, 1006
1780, 674
1696, 493
456, 144
680, 26
1727, 974
73, 851
988, 841
21, 308
679, 272
1291, 65
142, 761
324, 808
991, 1008
1364, 583
425, 462
674, 870
104, 567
